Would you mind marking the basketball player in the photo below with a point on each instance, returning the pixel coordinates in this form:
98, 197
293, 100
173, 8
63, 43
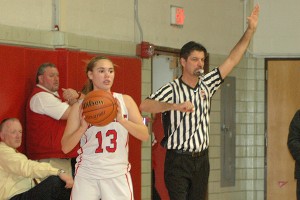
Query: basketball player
102, 169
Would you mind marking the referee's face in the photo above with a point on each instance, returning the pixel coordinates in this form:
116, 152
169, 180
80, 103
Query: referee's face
194, 63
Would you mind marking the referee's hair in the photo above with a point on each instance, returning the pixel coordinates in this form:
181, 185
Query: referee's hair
186, 49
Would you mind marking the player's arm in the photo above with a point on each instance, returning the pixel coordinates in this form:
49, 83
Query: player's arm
153, 106
134, 124
75, 128
239, 49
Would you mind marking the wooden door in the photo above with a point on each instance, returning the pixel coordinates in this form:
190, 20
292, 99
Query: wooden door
283, 99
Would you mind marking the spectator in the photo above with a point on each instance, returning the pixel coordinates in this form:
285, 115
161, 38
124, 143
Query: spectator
46, 114
294, 147
17, 172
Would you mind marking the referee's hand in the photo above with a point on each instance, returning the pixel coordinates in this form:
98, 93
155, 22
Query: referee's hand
185, 107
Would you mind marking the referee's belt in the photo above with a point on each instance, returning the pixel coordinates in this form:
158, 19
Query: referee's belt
193, 153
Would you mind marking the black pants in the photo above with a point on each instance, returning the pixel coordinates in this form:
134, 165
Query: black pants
155, 194
73, 163
298, 189
52, 188
186, 177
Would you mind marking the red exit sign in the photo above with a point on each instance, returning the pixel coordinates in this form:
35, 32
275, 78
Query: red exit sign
177, 16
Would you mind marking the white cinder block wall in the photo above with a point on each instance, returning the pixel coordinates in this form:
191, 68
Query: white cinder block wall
249, 183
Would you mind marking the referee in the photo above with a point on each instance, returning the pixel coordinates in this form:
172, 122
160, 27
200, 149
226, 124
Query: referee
185, 107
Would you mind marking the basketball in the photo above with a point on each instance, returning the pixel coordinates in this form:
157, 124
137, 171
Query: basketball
99, 107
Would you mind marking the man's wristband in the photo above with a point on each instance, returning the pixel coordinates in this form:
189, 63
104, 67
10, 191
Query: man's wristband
79, 95
60, 171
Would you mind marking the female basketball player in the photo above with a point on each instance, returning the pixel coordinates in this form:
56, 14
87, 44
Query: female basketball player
102, 169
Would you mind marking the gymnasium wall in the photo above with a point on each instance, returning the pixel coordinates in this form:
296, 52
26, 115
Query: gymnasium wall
18, 67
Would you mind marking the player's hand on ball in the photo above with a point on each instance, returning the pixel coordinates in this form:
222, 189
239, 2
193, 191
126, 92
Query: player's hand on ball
83, 123
119, 111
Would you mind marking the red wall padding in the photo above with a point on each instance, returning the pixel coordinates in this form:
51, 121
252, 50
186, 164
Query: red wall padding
158, 158
18, 67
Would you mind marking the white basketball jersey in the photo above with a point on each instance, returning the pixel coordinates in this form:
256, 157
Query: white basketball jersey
104, 150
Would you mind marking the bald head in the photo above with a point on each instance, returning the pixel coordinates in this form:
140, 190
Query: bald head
11, 132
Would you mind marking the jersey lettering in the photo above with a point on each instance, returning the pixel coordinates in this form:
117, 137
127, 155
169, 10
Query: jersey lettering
112, 134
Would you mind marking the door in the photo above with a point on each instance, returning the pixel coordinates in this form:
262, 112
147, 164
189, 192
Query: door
283, 99
164, 70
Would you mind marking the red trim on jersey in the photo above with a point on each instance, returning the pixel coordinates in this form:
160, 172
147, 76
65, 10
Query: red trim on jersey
130, 189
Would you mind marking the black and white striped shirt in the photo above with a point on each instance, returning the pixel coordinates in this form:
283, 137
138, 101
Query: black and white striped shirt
189, 131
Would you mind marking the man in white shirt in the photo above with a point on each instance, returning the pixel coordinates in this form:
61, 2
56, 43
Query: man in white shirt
46, 115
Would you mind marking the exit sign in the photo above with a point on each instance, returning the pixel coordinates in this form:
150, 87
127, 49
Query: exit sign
177, 16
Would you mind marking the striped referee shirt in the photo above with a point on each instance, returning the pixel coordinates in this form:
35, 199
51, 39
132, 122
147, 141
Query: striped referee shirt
188, 131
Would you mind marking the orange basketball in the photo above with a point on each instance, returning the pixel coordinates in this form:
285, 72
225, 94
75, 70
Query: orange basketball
99, 107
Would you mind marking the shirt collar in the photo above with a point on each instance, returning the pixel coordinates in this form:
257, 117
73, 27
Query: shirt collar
54, 93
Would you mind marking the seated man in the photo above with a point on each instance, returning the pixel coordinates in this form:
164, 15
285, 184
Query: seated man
17, 172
